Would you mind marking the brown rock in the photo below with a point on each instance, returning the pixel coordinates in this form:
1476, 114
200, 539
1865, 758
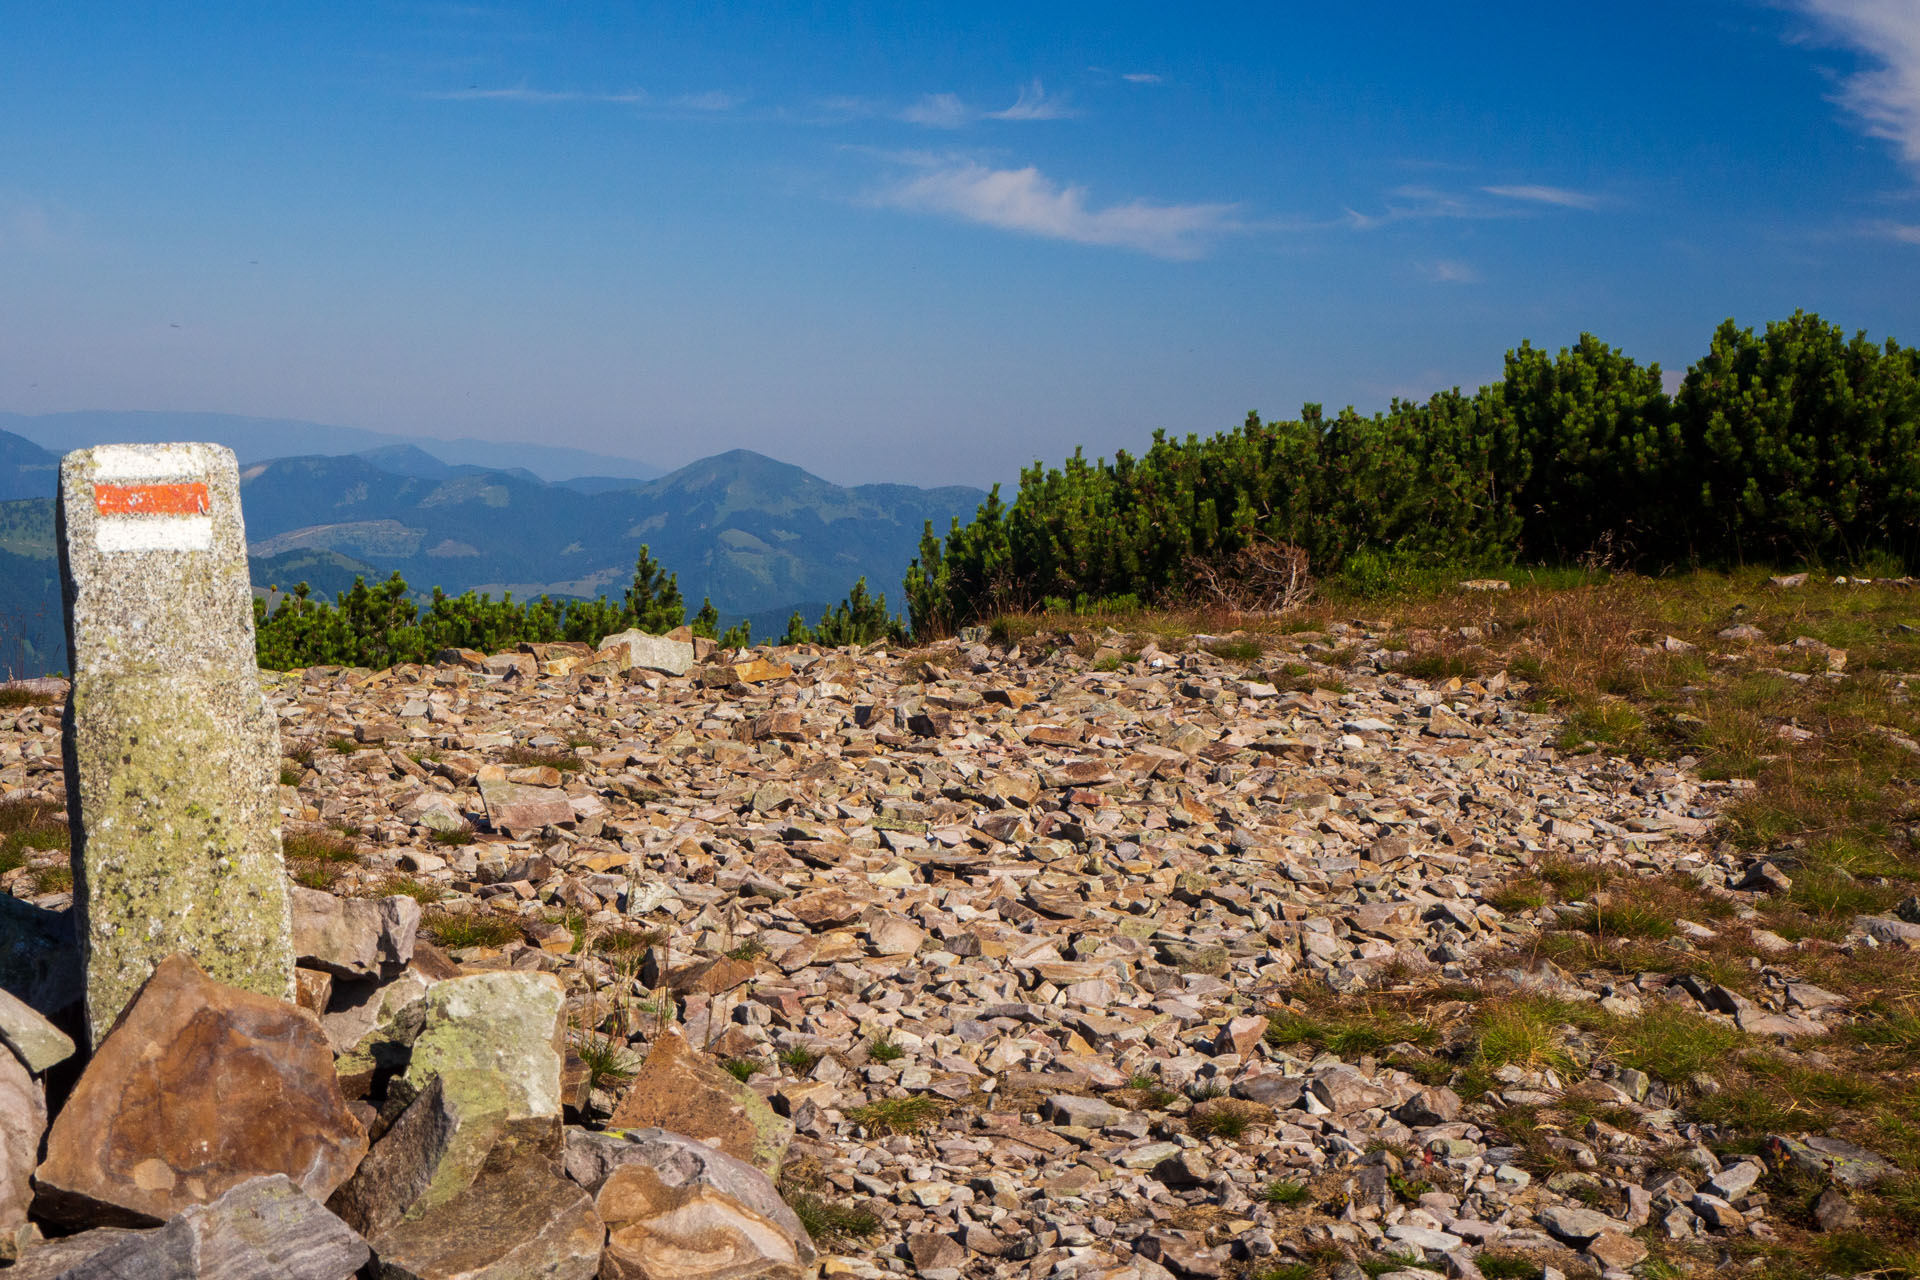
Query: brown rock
430, 1154
685, 1091
197, 1088
353, 937
312, 989
514, 807
519, 1218
759, 671
262, 1227
692, 1231
825, 908
23, 1118
710, 977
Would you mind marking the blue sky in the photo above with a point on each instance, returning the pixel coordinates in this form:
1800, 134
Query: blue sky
922, 243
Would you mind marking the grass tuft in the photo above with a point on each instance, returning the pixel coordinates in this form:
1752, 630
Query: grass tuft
898, 1115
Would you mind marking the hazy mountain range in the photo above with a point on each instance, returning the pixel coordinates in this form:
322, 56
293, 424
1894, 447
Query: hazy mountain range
760, 537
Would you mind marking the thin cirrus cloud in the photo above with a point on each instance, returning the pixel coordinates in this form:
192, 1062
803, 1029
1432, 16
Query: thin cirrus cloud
1885, 97
938, 111
950, 111
522, 93
1141, 77
710, 100
1034, 104
1419, 203
1450, 271
1027, 202
1536, 194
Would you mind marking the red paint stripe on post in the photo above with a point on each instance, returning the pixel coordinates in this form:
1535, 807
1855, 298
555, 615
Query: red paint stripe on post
151, 499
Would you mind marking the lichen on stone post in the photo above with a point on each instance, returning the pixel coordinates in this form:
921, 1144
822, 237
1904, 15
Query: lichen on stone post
172, 754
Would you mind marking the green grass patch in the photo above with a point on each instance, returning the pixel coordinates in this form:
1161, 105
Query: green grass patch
831, 1222
455, 930
1671, 1043
883, 1049
1347, 1033
798, 1059
898, 1115
318, 846
1282, 1191
534, 757
609, 1062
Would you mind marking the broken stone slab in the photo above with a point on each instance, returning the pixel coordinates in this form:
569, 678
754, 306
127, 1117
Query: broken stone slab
657, 1231
198, 1088
517, 807
1576, 1226
685, 1091
1836, 1159
261, 1227
434, 810
432, 1153
484, 1031
35, 1041
172, 754
519, 1217
353, 937
679, 1164
651, 653
23, 1119
371, 1024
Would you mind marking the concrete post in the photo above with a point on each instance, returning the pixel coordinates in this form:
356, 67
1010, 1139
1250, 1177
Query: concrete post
172, 755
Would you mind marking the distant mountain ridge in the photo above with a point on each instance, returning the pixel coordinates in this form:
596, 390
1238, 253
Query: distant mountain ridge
257, 439
759, 536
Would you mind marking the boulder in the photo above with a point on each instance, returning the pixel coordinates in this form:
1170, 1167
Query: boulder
518, 807
196, 1089
434, 810
685, 1091
592, 1157
353, 937
518, 1218
1836, 1159
38, 1043
651, 653
485, 1031
261, 1227
370, 1024
430, 1154
677, 1209
23, 1118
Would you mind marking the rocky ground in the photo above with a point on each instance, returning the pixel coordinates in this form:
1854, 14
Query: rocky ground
1069, 957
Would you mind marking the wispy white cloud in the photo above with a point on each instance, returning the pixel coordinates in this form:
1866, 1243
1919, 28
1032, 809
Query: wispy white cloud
1034, 104
711, 100
1449, 271
1026, 201
1421, 203
522, 93
1904, 232
1885, 97
1561, 196
938, 111
1141, 77
951, 111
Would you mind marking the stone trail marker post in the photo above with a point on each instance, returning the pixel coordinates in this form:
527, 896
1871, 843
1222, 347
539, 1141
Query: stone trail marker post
172, 754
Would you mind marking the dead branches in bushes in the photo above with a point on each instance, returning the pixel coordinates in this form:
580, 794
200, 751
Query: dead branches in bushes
1263, 578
